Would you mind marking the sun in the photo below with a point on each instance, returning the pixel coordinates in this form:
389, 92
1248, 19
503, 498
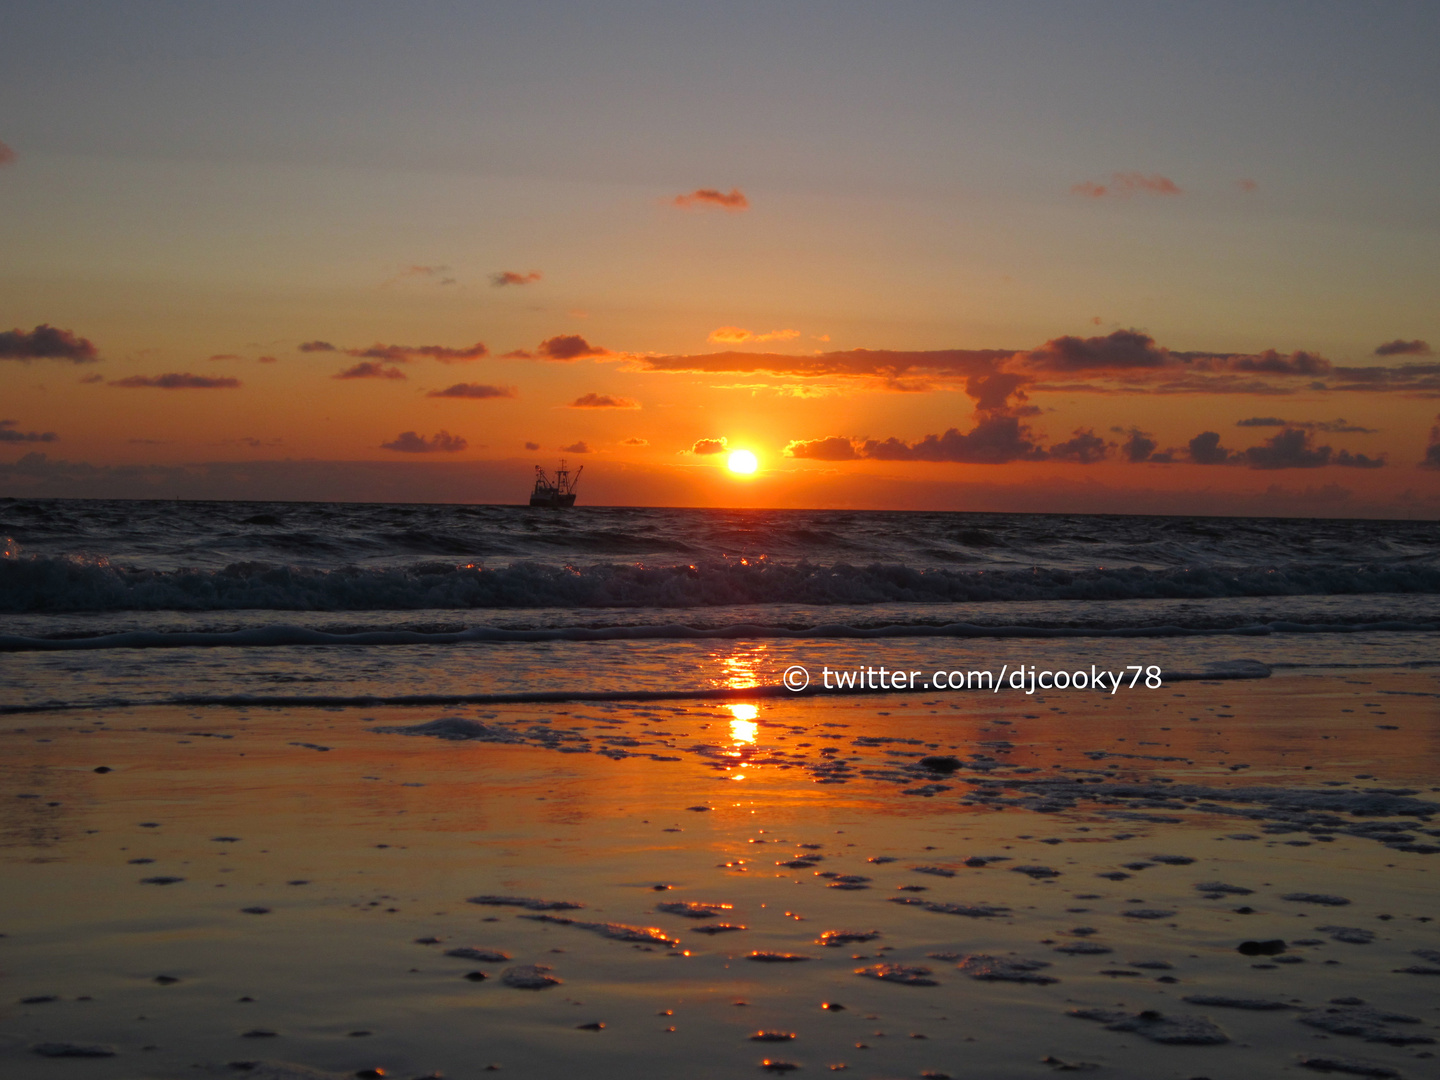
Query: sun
742, 461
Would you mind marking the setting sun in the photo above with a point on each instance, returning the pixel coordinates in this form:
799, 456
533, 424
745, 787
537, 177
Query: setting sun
742, 461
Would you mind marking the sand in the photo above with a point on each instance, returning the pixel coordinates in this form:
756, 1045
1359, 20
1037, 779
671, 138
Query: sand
1228, 879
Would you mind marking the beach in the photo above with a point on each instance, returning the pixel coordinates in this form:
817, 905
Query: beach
268, 890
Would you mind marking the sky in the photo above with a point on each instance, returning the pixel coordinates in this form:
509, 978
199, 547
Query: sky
1103, 257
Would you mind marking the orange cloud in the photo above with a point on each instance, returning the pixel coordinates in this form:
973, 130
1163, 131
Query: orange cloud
1123, 185
835, 448
316, 346
474, 391
576, 448
709, 446
603, 401
369, 369
511, 277
738, 335
710, 198
567, 347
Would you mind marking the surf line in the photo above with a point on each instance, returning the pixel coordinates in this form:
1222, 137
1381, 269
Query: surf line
1239, 669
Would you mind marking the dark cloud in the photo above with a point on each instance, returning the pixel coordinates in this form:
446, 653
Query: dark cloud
992, 393
993, 441
7, 155
517, 354
576, 448
46, 342
265, 359
442, 442
835, 448
316, 346
603, 401
532, 446
1084, 448
1417, 380
512, 277
1271, 362
1138, 447
369, 369
1338, 426
224, 356
178, 381
1293, 448
1205, 449
474, 391
635, 442
1120, 351
1123, 185
1403, 348
1431, 460
709, 446
10, 434
404, 354
87, 380
733, 200
567, 347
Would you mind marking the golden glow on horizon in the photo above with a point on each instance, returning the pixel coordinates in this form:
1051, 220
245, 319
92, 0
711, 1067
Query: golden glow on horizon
742, 462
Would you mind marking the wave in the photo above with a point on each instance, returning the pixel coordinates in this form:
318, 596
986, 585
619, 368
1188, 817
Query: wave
279, 636
1223, 670
50, 585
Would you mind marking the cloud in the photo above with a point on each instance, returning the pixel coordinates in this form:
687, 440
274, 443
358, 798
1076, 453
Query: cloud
1140, 446
475, 391
1084, 448
1123, 185
834, 448
1431, 460
1403, 348
223, 356
7, 155
854, 363
265, 359
177, 381
1294, 449
635, 442
94, 377
1120, 351
738, 335
1247, 186
9, 434
316, 346
567, 347
603, 401
369, 369
517, 354
709, 446
1205, 449
512, 277
993, 441
405, 354
46, 342
431, 272
732, 201
532, 446
1338, 426
576, 448
442, 442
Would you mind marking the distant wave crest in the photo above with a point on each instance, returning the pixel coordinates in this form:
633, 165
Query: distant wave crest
54, 585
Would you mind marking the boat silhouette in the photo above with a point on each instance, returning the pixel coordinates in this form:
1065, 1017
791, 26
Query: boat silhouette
557, 493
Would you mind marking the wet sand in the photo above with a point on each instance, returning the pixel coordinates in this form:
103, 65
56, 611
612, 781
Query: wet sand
991, 886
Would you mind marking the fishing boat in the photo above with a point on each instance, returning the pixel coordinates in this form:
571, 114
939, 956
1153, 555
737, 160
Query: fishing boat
557, 493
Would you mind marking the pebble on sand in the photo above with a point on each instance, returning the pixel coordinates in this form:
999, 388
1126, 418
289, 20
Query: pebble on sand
905, 975
1182, 1030
529, 977
73, 1050
1325, 899
1005, 969
489, 956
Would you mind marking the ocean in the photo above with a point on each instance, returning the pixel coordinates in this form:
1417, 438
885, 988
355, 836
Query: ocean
124, 602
